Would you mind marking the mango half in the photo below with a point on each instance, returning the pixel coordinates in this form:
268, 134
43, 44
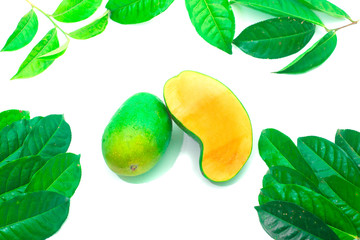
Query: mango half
137, 135
209, 112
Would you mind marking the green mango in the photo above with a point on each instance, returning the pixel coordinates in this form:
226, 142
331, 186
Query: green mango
137, 135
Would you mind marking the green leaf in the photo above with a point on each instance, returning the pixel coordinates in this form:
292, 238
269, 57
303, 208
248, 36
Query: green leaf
214, 21
51, 136
24, 32
60, 174
275, 38
344, 235
327, 159
285, 175
283, 8
326, 7
284, 220
9, 116
349, 141
75, 10
313, 202
34, 216
56, 53
314, 56
91, 30
16, 174
136, 11
33, 66
277, 149
12, 138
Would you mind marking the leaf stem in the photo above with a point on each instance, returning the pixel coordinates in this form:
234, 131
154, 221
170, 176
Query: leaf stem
347, 25
49, 17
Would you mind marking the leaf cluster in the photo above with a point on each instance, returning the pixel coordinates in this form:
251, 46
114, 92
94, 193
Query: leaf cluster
311, 191
37, 175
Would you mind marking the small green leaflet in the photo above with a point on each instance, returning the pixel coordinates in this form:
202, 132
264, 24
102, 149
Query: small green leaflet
50, 136
9, 116
76, 10
349, 141
136, 11
326, 7
314, 56
275, 38
214, 21
60, 174
283, 8
283, 220
33, 66
91, 30
41, 212
54, 54
24, 32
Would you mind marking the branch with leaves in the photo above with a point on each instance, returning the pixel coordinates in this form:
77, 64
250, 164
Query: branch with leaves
214, 20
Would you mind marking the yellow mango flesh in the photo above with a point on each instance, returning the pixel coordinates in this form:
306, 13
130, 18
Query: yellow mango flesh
211, 113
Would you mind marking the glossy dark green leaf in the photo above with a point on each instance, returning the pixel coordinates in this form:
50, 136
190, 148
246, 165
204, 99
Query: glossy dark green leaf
56, 53
49, 137
34, 216
24, 32
136, 11
287, 221
33, 66
12, 138
326, 7
285, 175
214, 21
327, 159
283, 8
60, 174
76, 10
91, 30
349, 141
314, 56
277, 149
313, 202
9, 116
16, 174
275, 38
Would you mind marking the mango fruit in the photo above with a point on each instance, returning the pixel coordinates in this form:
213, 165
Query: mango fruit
209, 112
137, 135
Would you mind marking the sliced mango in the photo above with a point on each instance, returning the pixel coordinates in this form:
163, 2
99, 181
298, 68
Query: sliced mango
209, 112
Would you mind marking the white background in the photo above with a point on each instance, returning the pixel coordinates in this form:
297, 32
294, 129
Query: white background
174, 201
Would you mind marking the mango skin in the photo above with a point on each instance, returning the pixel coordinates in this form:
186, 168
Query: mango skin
137, 135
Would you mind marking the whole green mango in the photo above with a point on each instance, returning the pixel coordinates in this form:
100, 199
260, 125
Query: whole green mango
137, 135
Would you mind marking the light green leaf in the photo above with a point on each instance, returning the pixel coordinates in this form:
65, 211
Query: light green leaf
285, 220
136, 11
349, 141
326, 7
327, 159
76, 10
277, 149
34, 216
60, 174
314, 56
275, 38
49, 137
283, 8
24, 32
33, 66
58, 52
93, 29
16, 174
214, 21
344, 235
12, 138
313, 202
9, 116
